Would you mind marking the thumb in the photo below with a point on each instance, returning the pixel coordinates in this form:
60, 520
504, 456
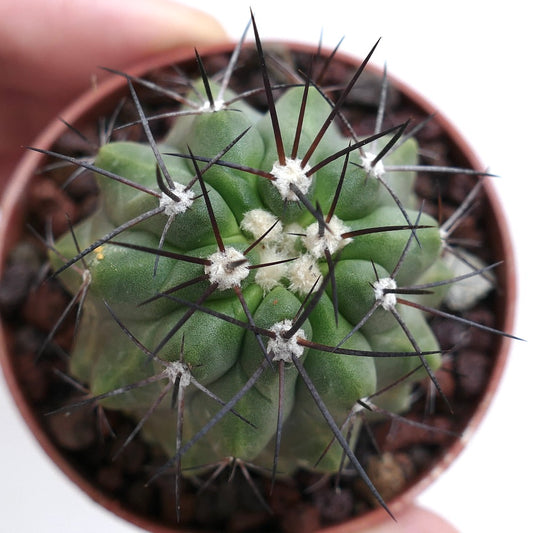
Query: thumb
51, 49
415, 520
66, 41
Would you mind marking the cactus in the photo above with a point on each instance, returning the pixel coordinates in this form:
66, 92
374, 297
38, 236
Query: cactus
254, 277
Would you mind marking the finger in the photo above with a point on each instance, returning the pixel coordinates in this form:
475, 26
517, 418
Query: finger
415, 520
51, 49
57, 40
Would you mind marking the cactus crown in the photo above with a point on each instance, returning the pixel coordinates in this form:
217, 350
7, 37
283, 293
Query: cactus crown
254, 278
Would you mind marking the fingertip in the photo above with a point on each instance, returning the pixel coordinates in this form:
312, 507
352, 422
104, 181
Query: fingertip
68, 41
173, 24
415, 520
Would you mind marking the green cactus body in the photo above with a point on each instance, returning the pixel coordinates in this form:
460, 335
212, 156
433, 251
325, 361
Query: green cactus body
222, 354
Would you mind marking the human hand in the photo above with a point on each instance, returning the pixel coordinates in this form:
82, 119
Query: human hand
49, 51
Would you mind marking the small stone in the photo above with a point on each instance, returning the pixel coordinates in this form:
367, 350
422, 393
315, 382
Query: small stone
473, 369
334, 505
244, 522
33, 377
302, 517
110, 477
20, 274
131, 457
400, 435
446, 379
51, 205
140, 497
45, 305
459, 185
388, 476
74, 430
284, 495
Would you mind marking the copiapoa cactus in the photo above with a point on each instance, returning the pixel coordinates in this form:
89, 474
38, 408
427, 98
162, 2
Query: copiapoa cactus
255, 277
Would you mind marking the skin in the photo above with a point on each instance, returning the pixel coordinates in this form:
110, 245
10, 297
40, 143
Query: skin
415, 520
49, 55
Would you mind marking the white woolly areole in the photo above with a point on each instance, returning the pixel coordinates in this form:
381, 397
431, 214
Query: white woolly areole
217, 106
176, 370
258, 221
377, 170
172, 207
331, 239
290, 173
223, 271
284, 349
387, 300
303, 274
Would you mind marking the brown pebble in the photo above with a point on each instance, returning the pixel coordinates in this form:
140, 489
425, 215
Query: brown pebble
446, 379
33, 377
459, 185
75, 430
18, 277
51, 205
166, 490
405, 461
110, 477
399, 435
449, 333
131, 457
426, 187
83, 187
387, 474
420, 457
302, 517
481, 340
284, 495
473, 369
434, 154
334, 505
243, 522
140, 497
45, 305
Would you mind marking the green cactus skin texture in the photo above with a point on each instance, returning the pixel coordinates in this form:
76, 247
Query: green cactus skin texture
252, 276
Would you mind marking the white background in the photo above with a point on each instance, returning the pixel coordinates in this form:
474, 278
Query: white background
472, 60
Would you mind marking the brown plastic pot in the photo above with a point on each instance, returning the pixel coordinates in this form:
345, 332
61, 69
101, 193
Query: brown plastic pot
101, 100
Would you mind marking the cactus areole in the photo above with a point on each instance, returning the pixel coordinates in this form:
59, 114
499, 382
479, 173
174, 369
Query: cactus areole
258, 277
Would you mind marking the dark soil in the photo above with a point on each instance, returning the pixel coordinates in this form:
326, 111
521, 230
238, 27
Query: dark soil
31, 303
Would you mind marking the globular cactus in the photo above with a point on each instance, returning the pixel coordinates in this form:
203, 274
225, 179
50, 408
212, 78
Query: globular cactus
259, 273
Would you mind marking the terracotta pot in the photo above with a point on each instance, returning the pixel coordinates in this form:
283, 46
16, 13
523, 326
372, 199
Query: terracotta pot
101, 100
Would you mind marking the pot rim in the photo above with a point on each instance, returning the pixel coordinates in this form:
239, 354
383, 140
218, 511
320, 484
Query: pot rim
12, 206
